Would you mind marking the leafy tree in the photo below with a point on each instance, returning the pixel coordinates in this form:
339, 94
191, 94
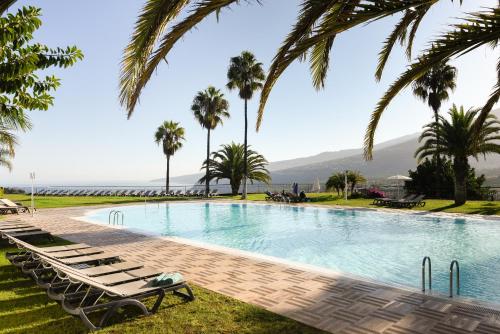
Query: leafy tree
433, 88
246, 75
228, 163
354, 178
170, 135
337, 182
21, 89
434, 85
209, 108
312, 36
424, 178
457, 141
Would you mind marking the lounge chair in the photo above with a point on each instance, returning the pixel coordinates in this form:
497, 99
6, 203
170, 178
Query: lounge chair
97, 296
213, 193
111, 289
411, 203
17, 207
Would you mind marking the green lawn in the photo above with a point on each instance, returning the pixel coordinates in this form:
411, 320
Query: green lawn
66, 201
433, 205
25, 308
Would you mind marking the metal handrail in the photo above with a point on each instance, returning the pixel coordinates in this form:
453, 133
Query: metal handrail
109, 217
116, 214
426, 259
453, 264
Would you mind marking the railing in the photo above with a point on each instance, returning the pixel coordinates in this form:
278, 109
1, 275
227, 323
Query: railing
453, 264
115, 215
424, 261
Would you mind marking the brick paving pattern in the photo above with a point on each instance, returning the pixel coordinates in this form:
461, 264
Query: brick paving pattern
334, 303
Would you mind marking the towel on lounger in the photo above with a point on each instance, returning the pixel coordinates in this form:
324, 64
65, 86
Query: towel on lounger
167, 279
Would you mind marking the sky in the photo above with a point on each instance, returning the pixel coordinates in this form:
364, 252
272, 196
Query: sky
86, 137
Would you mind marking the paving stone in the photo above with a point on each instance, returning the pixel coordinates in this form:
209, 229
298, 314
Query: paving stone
330, 302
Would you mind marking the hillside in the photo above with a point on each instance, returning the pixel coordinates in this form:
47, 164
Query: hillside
390, 158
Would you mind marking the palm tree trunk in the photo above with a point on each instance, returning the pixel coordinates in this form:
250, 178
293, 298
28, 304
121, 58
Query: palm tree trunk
438, 160
167, 180
207, 179
245, 175
460, 168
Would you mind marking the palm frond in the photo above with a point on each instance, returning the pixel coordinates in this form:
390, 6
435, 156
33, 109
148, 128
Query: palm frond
364, 12
5, 5
131, 89
477, 29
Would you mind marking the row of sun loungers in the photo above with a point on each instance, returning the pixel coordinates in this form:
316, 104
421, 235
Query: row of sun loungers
409, 201
132, 193
21, 230
88, 281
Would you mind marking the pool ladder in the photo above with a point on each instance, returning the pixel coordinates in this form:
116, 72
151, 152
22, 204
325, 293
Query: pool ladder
116, 215
454, 264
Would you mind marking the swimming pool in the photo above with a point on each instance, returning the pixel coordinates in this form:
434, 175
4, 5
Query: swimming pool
383, 246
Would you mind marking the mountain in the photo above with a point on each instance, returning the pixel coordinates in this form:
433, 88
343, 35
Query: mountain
390, 158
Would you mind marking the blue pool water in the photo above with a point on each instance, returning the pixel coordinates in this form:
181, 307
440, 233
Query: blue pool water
387, 247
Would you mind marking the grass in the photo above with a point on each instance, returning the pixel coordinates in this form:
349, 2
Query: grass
25, 308
432, 205
67, 201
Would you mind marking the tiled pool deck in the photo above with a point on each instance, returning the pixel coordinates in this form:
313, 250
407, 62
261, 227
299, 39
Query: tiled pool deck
328, 301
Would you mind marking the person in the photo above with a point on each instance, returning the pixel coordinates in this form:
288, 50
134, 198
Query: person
295, 188
302, 196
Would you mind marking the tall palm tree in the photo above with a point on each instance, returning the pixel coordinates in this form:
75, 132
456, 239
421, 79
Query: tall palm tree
246, 75
209, 108
434, 85
170, 135
433, 88
229, 163
313, 35
457, 141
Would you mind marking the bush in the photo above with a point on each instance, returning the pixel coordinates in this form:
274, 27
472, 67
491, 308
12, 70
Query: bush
1, 192
425, 178
375, 193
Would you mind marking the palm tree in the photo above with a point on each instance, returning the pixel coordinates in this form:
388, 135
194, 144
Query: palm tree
434, 85
457, 141
354, 178
433, 88
209, 108
313, 35
246, 75
336, 181
170, 135
229, 163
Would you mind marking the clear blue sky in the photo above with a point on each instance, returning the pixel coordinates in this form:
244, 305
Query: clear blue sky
85, 136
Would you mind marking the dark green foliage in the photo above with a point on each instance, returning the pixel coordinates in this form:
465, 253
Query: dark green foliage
337, 181
425, 177
458, 139
228, 163
21, 88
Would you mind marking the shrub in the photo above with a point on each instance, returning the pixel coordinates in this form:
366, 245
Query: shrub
375, 193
